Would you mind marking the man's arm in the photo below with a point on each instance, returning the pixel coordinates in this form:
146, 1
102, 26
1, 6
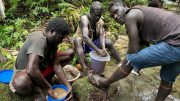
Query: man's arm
102, 37
131, 20
34, 72
85, 32
61, 76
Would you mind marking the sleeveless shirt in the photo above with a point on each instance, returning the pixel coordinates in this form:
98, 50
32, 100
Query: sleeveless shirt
159, 25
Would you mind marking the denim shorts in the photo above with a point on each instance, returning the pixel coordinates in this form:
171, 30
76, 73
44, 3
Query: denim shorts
161, 54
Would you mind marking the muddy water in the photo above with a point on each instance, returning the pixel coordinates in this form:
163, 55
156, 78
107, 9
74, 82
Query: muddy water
139, 88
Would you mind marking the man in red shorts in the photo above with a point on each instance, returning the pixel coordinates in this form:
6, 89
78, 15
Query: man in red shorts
38, 61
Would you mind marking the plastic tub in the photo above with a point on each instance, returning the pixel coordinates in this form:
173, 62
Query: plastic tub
6, 76
71, 70
97, 62
49, 98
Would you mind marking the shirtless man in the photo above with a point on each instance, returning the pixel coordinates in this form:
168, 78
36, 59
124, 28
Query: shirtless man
92, 36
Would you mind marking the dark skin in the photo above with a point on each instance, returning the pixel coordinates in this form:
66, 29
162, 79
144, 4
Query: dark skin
32, 79
94, 17
132, 20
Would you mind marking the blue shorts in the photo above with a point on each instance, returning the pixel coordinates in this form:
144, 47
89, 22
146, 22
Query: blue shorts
161, 54
88, 49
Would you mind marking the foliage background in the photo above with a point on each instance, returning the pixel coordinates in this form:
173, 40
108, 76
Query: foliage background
25, 15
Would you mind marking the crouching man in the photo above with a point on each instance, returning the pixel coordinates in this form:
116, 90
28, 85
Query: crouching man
38, 60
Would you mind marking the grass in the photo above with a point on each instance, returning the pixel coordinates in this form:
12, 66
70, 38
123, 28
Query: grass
7, 95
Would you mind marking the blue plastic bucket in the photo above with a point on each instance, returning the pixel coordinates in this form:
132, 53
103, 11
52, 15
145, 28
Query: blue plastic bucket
6, 76
58, 86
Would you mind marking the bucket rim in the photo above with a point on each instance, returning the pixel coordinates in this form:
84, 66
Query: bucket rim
94, 56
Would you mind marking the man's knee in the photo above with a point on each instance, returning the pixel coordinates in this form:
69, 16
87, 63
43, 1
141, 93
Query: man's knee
22, 83
70, 52
108, 43
77, 41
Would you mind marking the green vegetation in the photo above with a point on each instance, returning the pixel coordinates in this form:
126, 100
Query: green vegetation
24, 16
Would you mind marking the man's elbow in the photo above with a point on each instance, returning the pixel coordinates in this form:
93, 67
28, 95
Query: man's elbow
31, 72
85, 39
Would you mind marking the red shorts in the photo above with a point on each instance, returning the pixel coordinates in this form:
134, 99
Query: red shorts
49, 69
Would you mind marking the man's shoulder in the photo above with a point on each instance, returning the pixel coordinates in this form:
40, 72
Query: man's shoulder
84, 20
84, 16
37, 35
134, 14
36, 38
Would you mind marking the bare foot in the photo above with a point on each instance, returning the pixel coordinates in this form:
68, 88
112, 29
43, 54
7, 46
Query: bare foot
98, 81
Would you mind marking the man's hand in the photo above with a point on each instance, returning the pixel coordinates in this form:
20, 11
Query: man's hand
102, 53
51, 93
105, 51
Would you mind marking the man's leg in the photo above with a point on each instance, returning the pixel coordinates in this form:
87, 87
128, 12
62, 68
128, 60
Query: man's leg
24, 86
164, 90
109, 45
80, 53
64, 57
123, 71
168, 75
148, 57
22, 83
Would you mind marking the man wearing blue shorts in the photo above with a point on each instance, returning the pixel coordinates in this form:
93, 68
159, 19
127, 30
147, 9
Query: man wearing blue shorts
158, 32
91, 36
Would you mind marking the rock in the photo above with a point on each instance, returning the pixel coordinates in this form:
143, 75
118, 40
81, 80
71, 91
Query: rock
83, 90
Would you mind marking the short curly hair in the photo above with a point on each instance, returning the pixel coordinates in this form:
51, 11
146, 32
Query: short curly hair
115, 2
96, 7
59, 25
